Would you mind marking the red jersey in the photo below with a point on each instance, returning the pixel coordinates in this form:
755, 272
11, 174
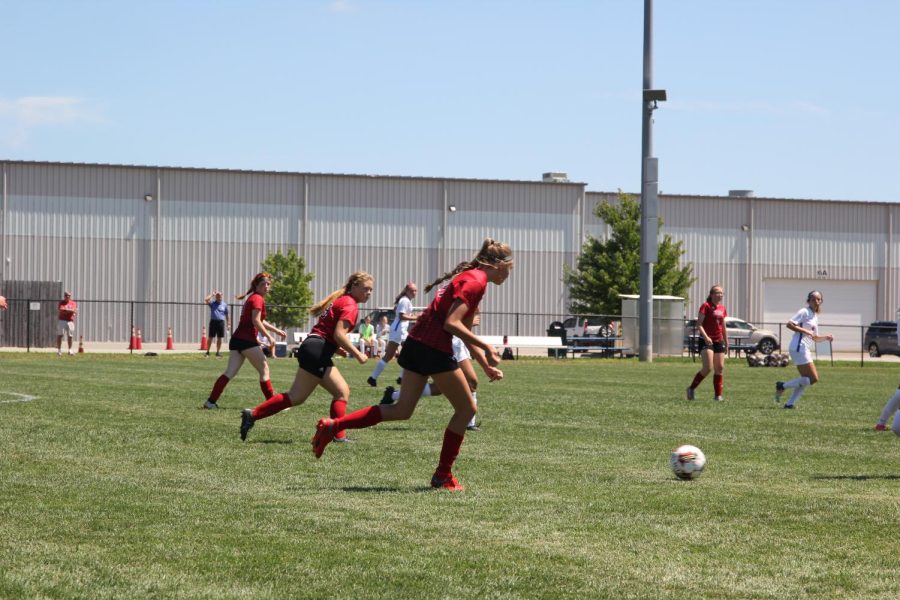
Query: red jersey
64, 308
469, 287
344, 308
246, 330
714, 320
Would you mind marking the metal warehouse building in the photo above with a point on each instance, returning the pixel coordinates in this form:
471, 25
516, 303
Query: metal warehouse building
147, 237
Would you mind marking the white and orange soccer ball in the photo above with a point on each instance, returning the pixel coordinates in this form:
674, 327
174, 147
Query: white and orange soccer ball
687, 462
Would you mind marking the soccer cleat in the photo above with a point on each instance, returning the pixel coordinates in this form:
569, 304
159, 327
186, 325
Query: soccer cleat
399, 380
446, 483
341, 440
788, 406
388, 396
372, 381
473, 428
779, 390
880, 427
690, 393
210, 405
719, 399
323, 436
247, 422
71, 352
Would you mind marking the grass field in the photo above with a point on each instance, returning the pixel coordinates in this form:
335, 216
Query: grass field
114, 484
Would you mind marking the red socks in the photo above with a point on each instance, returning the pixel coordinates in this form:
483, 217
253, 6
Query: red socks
697, 379
449, 452
338, 410
266, 387
364, 417
218, 388
717, 384
273, 405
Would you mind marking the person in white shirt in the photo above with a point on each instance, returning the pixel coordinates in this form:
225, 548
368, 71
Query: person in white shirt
403, 317
892, 405
382, 335
805, 325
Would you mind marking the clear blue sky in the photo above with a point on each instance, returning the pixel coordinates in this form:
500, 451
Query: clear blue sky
795, 99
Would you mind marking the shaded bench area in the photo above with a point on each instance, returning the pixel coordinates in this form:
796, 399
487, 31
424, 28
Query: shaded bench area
603, 346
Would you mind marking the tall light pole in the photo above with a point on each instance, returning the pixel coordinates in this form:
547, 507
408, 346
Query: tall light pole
649, 192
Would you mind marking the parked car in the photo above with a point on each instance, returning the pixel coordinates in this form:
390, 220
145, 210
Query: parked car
766, 341
881, 338
596, 326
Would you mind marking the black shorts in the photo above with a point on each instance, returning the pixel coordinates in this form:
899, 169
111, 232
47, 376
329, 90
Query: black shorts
216, 329
716, 347
425, 360
314, 356
240, 345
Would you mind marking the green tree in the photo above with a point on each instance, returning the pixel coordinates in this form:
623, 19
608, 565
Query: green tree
606, 269
290, 294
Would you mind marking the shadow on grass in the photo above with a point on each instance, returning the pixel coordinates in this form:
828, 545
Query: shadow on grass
270, 442
856, 477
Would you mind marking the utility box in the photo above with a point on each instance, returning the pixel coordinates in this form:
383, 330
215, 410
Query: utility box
668, 324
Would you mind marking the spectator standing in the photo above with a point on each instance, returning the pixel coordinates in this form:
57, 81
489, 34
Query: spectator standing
244, 343
403, 316
67, 309
382, 334
712, 342
337, 317
429, 352
219, 319
805, 325
367, 338
892, 405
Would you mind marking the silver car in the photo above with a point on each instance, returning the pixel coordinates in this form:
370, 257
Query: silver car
739, 330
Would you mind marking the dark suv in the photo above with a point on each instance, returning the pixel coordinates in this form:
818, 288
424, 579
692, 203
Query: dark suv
881, 338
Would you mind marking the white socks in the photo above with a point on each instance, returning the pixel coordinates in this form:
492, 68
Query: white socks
474, 399
800, 384
395, 395
890, 408
379, 369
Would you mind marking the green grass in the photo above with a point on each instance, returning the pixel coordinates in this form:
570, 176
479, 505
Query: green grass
113, 484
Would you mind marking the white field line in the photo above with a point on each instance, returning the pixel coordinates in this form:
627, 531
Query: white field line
17, 397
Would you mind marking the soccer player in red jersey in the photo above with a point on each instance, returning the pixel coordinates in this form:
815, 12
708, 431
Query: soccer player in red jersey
713, 341
428, 352
337, 318
244, 343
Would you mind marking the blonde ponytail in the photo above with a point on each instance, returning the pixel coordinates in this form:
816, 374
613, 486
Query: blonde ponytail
491, 253
357, 277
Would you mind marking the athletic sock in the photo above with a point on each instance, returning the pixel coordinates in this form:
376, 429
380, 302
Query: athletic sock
218, 388
449, 452
379, 369
364, 417
474, 401
796, 395
275, 404
890, 408
718, 384
697, 379
266, 387
799, 381
395, 395
338, 410
426, 391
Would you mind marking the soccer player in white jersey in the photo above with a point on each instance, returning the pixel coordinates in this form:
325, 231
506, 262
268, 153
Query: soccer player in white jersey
403, 317
805, 325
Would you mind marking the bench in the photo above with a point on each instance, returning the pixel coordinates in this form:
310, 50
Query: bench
553, 344
600, 345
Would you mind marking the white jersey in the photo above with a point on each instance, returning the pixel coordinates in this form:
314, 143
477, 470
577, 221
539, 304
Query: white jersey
807, 319
399, 326
460, 350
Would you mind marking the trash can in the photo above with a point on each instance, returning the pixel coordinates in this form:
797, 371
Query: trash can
556, 329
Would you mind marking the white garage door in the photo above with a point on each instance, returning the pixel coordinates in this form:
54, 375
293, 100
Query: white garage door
848, 305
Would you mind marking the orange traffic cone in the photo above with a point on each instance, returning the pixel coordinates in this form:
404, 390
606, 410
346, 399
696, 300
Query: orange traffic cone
132, 345
81, 344
170, 343
204, 343
139, 341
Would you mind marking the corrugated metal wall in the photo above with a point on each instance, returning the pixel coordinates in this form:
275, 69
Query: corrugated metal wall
741, 242
90, 227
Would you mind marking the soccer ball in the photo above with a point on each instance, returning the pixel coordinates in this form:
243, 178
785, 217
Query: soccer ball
687, 462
